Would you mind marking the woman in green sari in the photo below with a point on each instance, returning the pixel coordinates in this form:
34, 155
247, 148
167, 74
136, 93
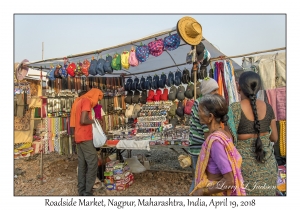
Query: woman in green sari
253, 128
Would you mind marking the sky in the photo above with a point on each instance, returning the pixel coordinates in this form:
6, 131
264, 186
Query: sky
65, 35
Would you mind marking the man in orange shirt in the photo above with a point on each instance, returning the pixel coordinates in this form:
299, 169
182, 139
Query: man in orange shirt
72, 122
87, 154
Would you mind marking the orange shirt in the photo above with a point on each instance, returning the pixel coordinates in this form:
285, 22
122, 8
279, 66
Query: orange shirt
83, 132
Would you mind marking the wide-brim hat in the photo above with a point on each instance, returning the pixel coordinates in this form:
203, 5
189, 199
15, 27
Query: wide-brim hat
189, 30
22, 69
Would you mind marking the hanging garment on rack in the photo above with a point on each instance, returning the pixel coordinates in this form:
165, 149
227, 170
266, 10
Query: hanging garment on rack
23, 123
53, 134
21, 136
97, 111
232, 96
271, 93
219, 79
282, 138
281, 103
20, 105
221, 66
50, 134
46, 138
233, 81
56, 142
215, 66
260, 95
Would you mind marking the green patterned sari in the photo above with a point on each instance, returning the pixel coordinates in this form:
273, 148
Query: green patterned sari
260, 179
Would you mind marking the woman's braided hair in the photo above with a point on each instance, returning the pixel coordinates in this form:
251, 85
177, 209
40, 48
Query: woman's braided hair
250, 84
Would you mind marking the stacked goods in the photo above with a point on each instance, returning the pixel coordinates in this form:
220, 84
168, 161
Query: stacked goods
172, 136
23, 150
117, 176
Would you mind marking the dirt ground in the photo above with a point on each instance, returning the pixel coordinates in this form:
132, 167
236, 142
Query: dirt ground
60, 179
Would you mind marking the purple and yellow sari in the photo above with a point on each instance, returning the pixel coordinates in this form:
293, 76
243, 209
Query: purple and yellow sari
235, 160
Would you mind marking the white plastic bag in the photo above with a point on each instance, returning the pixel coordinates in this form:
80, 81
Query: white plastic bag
135, 165
99, 137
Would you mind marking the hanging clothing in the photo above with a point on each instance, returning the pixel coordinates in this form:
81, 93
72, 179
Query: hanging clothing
216, 71
219, 80
97, 110
20, 105
282, 138
277, 99
281, 103
25, 136
233, 82
230, 83
260, 95
221, 66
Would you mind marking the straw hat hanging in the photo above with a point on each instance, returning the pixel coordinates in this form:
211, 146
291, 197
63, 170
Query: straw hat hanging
189, 30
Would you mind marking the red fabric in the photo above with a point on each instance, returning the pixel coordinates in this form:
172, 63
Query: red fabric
164, 96
71, 69
157, 95
83, 132
97, 110
85, 67
188, 107
150, 96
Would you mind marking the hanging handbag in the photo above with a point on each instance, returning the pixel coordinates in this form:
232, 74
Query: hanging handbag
99, 137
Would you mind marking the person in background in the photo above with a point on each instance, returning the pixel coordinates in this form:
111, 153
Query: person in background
199, 131
87, 154
254, 130
218, 170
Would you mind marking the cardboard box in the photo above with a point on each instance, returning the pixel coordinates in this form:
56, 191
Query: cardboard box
118, 166
118, 171
121, 187
111, 187
108, 173
108, 169
108, 181
112, 163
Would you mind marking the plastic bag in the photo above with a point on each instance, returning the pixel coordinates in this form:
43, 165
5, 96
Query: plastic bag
135, 165
99, 137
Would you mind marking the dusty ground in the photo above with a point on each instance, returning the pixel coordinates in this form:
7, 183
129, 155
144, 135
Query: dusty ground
60, 178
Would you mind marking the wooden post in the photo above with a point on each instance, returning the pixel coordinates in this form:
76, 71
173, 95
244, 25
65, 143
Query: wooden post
42, 142
195, 80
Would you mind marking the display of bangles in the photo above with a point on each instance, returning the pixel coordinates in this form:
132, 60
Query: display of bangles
152, 118
149, 124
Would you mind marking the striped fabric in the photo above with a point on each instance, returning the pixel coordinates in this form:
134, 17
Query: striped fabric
56, 141
196, 136
46, 139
